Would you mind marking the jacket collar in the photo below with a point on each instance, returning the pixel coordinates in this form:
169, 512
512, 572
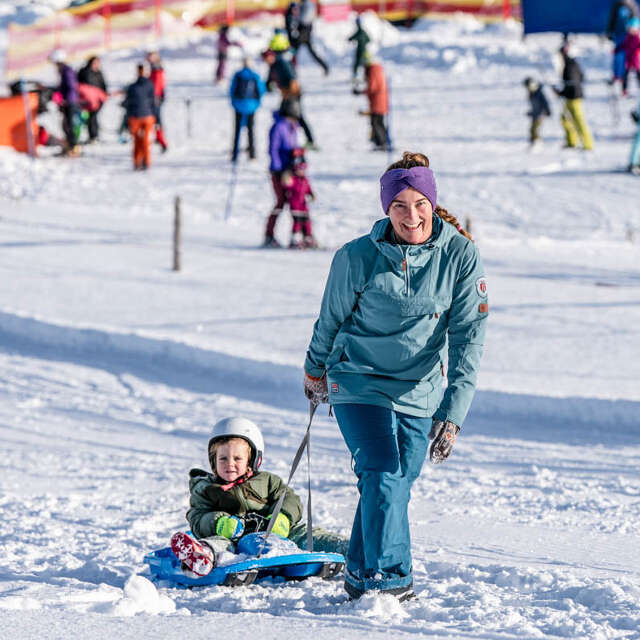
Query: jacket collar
419, 253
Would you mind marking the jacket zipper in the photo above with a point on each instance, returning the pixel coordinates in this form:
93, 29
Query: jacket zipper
405, 268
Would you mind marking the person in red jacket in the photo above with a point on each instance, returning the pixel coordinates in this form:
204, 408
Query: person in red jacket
377, 92
159, 81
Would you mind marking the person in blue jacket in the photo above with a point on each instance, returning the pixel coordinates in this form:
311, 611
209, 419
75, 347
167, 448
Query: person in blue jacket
399, 304
283, 139
246, 91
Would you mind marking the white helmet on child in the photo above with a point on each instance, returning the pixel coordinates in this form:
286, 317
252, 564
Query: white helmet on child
239, 428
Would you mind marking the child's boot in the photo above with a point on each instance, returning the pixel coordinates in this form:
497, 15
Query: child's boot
197, 559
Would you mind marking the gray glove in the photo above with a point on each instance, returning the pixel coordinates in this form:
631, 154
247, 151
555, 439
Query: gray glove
442, 435
316, 389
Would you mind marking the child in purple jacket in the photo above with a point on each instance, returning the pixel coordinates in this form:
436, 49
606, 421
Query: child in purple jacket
297, 192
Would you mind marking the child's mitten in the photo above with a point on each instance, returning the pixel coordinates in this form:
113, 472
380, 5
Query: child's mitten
281, 526
229, 527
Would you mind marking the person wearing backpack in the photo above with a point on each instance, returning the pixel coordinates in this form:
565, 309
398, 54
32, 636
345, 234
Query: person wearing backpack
246, 91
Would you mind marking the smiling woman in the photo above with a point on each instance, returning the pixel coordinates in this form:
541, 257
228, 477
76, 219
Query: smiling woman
396, 302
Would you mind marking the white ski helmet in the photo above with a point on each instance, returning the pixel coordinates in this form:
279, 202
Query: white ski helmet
58, 55
239, 428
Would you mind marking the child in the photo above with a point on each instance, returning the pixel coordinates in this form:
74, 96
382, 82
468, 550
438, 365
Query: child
236, 499
297, 190
539, 108
631, 48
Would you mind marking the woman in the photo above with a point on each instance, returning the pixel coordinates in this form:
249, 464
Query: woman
391, 301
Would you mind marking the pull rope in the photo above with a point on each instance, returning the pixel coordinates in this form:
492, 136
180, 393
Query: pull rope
305, 444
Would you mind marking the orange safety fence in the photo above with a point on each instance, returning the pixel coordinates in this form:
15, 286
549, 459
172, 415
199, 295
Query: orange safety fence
13, 122
101, 25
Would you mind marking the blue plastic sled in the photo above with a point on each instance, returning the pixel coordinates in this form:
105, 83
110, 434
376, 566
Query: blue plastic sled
298, 565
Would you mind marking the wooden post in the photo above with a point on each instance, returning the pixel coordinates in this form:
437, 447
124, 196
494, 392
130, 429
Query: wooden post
187, 103
177, 234
468, 225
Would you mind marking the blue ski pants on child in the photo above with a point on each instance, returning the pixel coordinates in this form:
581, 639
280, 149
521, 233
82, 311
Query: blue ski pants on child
389, 449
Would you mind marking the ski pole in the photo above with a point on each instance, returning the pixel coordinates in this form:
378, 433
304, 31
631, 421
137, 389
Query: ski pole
234, 169
296, 461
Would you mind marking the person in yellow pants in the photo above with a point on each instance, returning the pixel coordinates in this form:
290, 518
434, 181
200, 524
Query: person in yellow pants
575, 125
573, 121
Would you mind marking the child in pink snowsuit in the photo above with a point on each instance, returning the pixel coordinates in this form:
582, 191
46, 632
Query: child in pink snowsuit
297, 191
631, 47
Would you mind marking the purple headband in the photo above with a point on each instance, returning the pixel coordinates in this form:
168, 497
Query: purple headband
397, 180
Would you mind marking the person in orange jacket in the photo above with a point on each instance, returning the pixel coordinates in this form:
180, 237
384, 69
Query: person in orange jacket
159, 81
378, 94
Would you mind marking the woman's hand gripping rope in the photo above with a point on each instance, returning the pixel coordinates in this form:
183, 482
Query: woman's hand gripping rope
316, 389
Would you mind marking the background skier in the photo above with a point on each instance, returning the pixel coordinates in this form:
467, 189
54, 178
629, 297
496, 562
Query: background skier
223, 51
159, 81
378, 94
622, 11
283, 139
91, 75
140, 108
572, 117
539, 108
67, 98
361, 38
246, 91
307, 16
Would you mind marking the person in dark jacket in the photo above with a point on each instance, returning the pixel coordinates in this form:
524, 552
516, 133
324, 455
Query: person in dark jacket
283, 139
91, 74
246, 91
140, 107
292, 24
283, 75
307, 16
539, 108
361, 38
572, 117
237, 498
68, 101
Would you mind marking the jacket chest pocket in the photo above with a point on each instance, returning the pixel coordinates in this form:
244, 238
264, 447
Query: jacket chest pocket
376, 306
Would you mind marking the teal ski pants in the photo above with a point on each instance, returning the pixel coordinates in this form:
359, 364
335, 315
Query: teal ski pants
389, 449
634, 160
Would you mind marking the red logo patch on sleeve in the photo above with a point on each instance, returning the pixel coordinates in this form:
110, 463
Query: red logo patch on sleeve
334, 387
483, 308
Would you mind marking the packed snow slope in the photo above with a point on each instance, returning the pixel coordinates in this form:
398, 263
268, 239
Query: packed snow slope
114, 368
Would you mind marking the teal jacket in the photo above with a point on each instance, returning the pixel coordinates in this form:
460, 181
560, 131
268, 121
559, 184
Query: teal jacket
387, 312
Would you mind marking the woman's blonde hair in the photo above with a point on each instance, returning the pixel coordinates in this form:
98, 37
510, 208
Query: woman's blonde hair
409, 160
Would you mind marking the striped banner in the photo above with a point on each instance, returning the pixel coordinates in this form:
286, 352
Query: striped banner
101, 25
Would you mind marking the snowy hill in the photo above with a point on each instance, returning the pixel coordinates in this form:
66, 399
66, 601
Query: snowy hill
114, 368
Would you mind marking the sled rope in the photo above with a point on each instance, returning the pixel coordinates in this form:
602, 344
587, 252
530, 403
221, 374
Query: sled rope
305, 444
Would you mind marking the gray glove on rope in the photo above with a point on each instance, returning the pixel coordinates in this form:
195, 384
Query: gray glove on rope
442, 435
316, 389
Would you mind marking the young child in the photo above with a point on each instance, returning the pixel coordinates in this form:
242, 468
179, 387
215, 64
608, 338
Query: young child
539, 108
297, 192
631, 48
238, 498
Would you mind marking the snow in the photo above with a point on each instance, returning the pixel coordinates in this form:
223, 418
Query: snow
114, 368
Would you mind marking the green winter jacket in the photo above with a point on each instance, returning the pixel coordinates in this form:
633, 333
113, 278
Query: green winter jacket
258, 494
387, 312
